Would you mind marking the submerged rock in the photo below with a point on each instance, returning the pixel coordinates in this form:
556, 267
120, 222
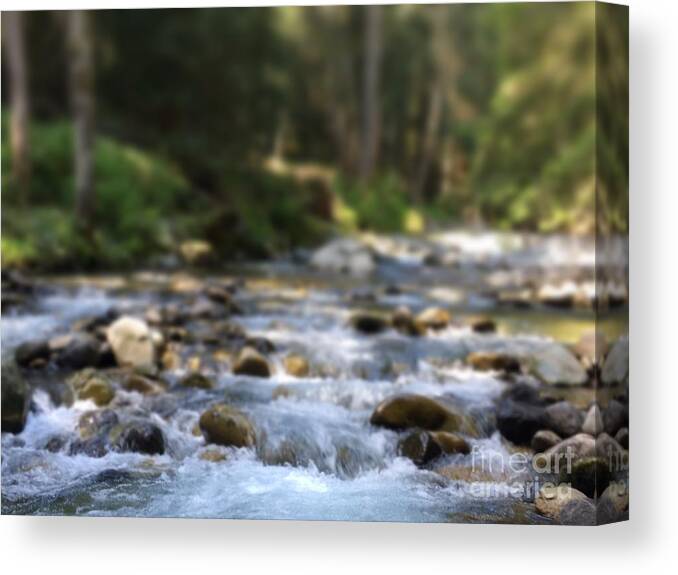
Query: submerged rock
29, 352
296, 366
424, 446
225, 425
369, 323
15, 398
96, 422
405, 411
139, 437
197, 380
435, 318
251, 362
131, 341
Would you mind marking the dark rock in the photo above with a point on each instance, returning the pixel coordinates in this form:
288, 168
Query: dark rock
251, 362
82, 350
450, 442
139, 437
519, 421
544, 439
491, 361
420, 447
369, 324
261, 344
615, 416
613, 503
15, 398
96, 422
143, 385
590, 475
578, 512
403, 321
484, 325
563, 418
225, 425
30, 351
197, 380
622, 437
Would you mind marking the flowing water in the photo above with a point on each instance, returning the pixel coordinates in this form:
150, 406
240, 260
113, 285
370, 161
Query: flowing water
317, 456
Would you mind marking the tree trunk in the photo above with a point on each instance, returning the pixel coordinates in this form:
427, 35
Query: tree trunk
430, 140
82, 96
371, 107
13, 33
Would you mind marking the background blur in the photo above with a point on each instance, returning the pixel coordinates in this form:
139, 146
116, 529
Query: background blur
127, 133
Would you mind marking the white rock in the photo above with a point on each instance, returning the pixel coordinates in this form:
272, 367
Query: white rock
131, 341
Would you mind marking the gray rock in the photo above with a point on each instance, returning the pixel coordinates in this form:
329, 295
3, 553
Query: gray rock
593, 422
344, 255
615, 416
555, 365
544, 440
81, 350
563, 418
616, 365
578, 512
622, 437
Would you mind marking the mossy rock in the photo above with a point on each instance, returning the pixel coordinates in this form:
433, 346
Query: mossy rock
251, 362
196, 380
225, 425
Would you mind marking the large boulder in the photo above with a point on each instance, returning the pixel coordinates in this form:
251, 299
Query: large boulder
563, 418
555, 365
406, 411
131, 341
15, 398
616, 365
344, 255
225, 425
251, 362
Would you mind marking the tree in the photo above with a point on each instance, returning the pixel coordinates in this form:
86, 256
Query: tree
13, 33
80, 56
371, 112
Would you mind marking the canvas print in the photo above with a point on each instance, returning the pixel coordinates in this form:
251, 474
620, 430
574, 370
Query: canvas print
358, 263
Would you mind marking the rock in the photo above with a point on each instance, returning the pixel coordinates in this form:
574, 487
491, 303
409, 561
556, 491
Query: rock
555, 365
424, 446
563, 418
450, 442
82, 350
197, 252
622, 437
420, 447
369, 323
435, 318
484, 325
139, 437
225, 425
609, 449
405, 411
344, 255
615, 416
593, 422
578, 512
15, 398
251, 362
261, 344
552, 499
491, 361
519, 421
544, 440
403, 322
131, 341
575, 447
296, 366
590, 475
96, 422
197, 380
143, 385
613, 503
212, 455
30, 351
98, 389
616, 365
591, 347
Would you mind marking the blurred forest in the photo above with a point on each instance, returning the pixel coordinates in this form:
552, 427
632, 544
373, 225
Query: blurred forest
128, 132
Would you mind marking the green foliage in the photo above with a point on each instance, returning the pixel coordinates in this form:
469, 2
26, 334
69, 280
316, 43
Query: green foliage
382, 204
137, 196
